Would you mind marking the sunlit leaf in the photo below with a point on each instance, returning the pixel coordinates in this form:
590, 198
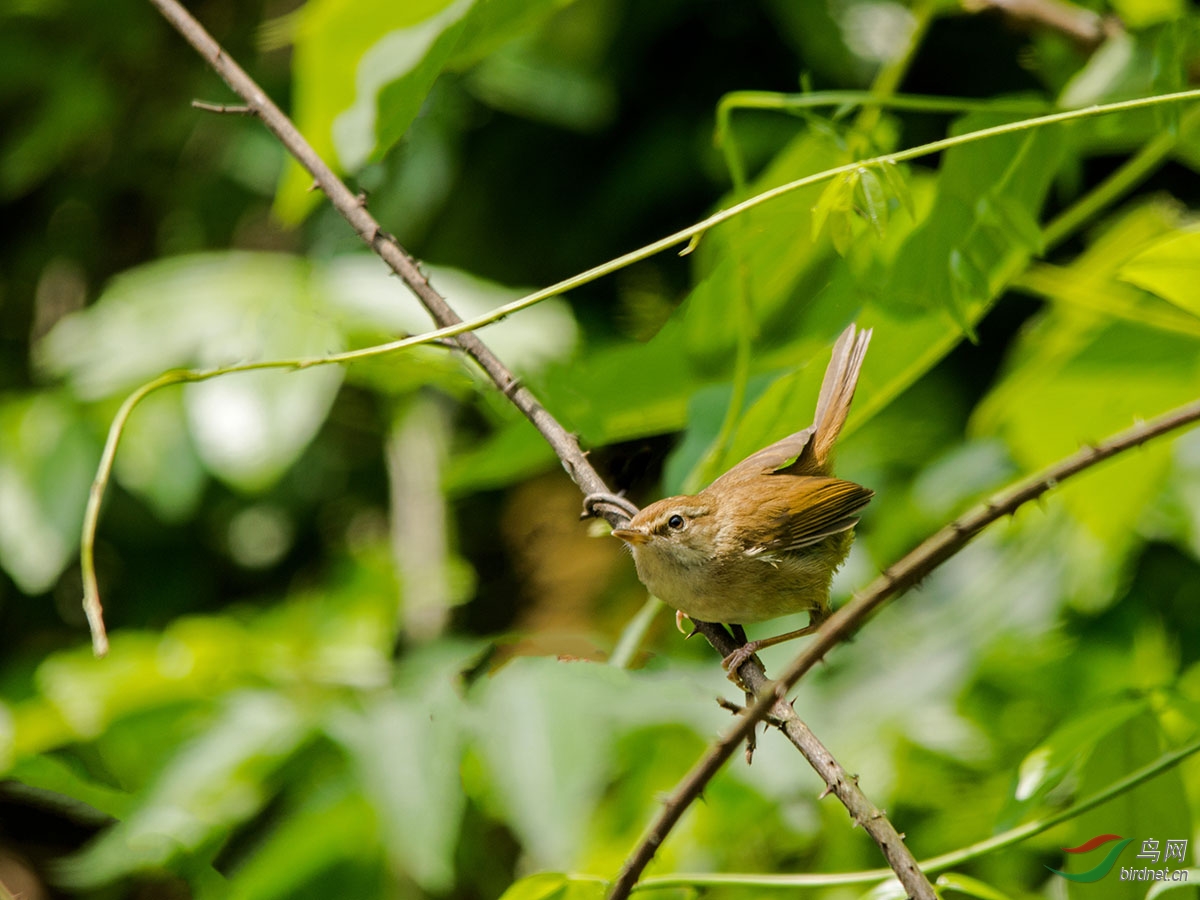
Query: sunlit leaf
556, 886
1169, 268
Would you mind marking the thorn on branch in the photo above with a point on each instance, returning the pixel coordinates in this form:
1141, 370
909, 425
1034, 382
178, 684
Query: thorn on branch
361, 199
727, 704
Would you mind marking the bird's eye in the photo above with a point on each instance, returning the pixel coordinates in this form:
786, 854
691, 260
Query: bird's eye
676, 522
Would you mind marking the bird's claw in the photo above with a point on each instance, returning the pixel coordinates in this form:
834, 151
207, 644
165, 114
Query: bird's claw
591, 501
737, 659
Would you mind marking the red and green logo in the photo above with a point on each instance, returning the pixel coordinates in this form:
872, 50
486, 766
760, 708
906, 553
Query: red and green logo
1105, 865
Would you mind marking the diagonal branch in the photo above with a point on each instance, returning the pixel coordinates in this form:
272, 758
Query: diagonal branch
564, 444
354, 211
899, 577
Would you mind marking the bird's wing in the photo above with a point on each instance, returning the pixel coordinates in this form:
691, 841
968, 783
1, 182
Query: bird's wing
803, 511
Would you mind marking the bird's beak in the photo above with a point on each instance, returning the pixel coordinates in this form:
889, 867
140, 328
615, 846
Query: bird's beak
631, 535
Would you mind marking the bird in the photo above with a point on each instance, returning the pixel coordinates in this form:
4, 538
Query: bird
764, 539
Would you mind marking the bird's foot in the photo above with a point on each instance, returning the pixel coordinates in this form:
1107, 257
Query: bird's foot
591, 501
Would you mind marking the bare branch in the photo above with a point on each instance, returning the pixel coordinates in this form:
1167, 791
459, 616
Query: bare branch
354, 211
903, 575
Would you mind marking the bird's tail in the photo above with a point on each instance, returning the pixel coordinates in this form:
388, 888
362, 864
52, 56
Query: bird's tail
837, 390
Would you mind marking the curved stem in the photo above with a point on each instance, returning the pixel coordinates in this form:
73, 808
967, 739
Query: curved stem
87, 543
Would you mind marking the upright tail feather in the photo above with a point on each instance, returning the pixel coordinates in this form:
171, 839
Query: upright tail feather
837, 390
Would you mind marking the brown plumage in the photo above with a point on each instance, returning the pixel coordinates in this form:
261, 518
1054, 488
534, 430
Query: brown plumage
765, 538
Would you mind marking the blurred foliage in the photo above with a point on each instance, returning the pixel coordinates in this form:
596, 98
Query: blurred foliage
358, 635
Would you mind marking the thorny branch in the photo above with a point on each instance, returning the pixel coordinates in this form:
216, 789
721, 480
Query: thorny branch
897, 578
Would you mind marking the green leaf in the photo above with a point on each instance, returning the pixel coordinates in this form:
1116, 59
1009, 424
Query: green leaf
1065, 752
602, 395
331, 826
47, 459
897, 183
1169, 268
58, 776
542, 886
546, 733
769, 253
406, 747
206, 310
874, 200
952, 259
337, 44
363, 70
556, 886
214, 783
1157, 809
968, 287
1012, 219
1075, 379
837, 198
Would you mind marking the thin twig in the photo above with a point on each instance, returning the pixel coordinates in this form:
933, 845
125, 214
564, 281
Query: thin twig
903, 575
355, 212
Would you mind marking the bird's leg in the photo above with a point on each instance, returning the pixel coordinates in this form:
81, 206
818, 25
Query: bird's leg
739, 634
735, 659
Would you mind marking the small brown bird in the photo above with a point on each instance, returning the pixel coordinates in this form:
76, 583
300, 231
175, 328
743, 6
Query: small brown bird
765, 538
